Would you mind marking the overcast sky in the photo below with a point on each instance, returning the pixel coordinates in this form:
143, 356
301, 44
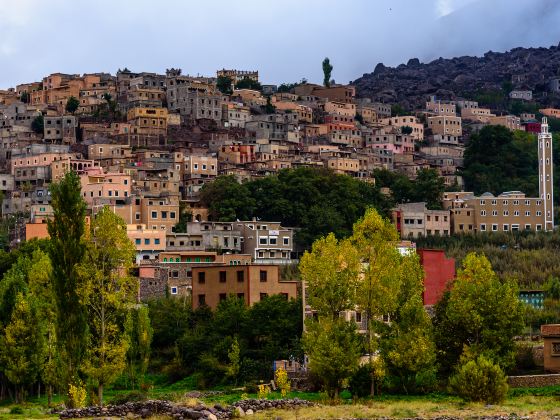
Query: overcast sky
285, 40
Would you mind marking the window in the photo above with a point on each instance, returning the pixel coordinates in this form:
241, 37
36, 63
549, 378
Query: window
263, 240
527, 227
358, 317
494, 212
272, 240
241, 296
174, 290
506, 213
175, 274
515, 228
538, 227
240, 276
527, 213
201, 277
263, 276
483, 212
506, 228
264, 295
223, 276
223, 297
516, 213
138, 241
494, 202
483, 227
147, 241
494, 228
154, 215
261, 254
156, 241
482, 202
202, 300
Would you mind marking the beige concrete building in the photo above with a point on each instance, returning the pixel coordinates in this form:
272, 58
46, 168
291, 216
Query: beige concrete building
509, 121
441, 108
414, 220
252, 283
407, 121
445, 125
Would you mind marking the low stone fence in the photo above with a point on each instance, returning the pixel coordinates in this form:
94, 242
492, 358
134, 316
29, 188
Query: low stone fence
533, 381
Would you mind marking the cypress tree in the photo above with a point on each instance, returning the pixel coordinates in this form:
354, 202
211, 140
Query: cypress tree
67, 250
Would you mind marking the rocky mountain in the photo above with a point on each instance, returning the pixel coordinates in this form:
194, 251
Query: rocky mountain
463, 77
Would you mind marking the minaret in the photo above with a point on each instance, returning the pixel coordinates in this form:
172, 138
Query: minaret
546, 184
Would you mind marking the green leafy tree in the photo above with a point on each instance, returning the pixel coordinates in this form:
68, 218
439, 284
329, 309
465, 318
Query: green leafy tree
140, 332
227, 200
67, 250
327, 71
108, 293
234, 360
224, 83
38, 124
479, 315
269, 108
330, 272
24, 97
248, 83
22, 346
72, 105
334, 348
429, 187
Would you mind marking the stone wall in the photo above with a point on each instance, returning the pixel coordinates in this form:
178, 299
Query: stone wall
533, 381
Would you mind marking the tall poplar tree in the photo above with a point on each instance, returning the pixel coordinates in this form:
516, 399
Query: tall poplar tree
66, 251
109, 293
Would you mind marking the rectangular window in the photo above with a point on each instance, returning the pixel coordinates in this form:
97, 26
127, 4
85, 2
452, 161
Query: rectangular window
202, 300
263, 295
506, 228
263, 240
156, 241
147, 241
494, 228
483, 227
223, 297
154, 215
174, 290
240, 276
138, 241
241, 295
272, 241
201, 277
263, 276
223, 276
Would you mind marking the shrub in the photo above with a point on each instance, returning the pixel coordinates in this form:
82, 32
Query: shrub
282, 381
77, 395
479, 380
264, 390
360, 382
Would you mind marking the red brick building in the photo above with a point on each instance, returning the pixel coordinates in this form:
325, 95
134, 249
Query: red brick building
439, 270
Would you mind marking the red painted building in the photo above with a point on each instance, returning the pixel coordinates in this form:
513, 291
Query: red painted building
439, 271
532, 127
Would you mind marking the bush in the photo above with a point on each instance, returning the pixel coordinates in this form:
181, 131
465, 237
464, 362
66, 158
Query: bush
480, 380
360, 382
132, 396
16, 410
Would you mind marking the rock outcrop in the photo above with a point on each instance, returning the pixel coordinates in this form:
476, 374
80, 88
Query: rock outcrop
410, 84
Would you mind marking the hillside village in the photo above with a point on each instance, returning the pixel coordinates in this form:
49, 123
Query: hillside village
187, 162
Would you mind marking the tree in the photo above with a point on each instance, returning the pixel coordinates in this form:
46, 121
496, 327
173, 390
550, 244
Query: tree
248, 83
333, 347
234, 360
38, 124
330, 272
140, 332
327, 70
227, 200
479, 315
72, 105
67, 249
24, 97
22, 346
108, 293
224, 83
269, 108
429, 187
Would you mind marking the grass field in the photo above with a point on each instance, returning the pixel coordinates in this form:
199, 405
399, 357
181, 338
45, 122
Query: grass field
537, 403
